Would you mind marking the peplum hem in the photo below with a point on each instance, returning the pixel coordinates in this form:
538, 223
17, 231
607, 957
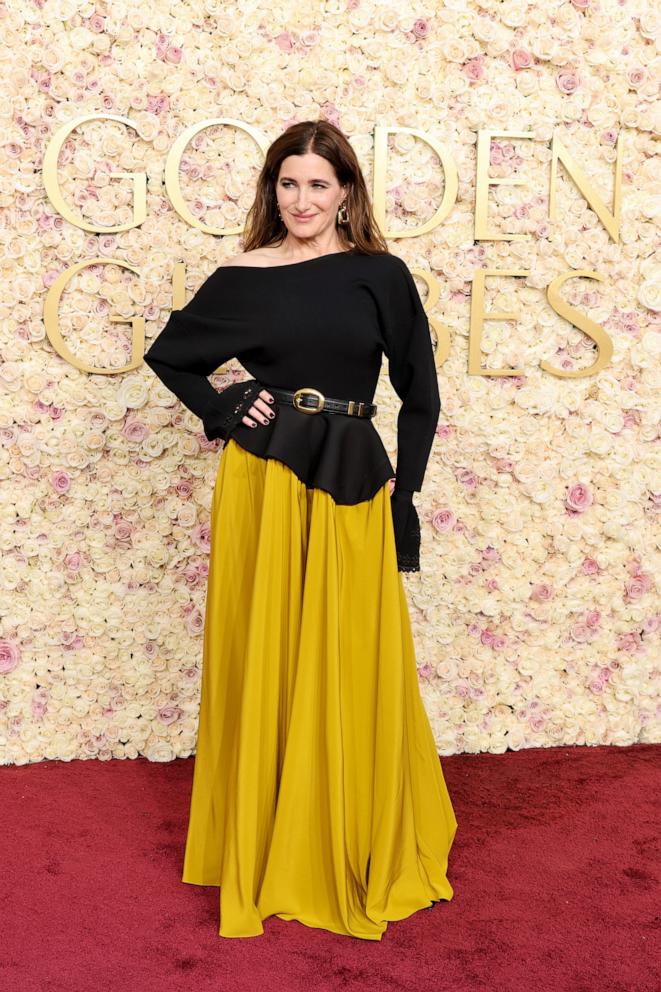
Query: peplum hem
342, 455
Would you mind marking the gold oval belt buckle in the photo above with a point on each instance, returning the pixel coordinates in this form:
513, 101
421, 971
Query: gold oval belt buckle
309, 409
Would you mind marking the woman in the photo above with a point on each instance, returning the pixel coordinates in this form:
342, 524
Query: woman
317, 791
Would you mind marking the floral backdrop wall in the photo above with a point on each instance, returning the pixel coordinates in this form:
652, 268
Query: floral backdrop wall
536, 614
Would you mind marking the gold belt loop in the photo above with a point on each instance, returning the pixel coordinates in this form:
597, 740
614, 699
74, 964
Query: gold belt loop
308, 409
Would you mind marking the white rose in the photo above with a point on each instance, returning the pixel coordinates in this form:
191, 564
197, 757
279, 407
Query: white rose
454, 49
649, 294
544, 47
158, 750
648, 24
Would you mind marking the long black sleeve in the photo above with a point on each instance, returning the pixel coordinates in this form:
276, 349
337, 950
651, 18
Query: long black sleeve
412, 372
193, 343
406, 526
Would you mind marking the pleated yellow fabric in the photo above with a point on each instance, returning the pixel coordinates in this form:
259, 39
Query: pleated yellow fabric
317, 794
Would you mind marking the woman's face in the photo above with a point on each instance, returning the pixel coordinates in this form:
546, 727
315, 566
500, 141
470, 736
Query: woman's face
308, 194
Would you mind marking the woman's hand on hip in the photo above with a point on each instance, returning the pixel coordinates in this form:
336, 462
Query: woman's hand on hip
261, 412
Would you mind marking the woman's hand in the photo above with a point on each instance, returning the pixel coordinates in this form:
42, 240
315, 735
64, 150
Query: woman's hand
260, 412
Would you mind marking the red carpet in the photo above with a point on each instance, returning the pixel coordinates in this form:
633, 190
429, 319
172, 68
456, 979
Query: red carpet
555, 869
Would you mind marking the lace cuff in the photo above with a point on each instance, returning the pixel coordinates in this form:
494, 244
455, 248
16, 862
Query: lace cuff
228, 408
407, 531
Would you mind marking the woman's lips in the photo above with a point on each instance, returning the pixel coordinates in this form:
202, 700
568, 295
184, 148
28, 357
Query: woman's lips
303, 216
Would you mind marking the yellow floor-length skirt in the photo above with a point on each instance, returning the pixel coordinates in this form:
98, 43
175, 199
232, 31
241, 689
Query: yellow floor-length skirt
318, 794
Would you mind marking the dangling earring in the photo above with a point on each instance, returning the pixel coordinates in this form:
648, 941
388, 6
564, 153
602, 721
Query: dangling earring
342, 215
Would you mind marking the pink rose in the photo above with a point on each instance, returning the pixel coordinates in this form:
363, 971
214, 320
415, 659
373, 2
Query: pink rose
123, 531
593, 618
330, 113
169, 714
496, 156
443, 521
568, 81
195, 623
161, 45
467, 479
589, 566
580, 632
421, 28
636, 76
541, 592
581, 4
39, 704
637, 587
521, 59
201, 536
61, 481
173, 54
579, 498
629, 643
190, 575
135, 430
284, 41
9, 656
157, 103
73, 561
473, 69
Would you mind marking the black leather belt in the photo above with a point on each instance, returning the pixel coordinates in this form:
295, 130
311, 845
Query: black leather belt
309, 400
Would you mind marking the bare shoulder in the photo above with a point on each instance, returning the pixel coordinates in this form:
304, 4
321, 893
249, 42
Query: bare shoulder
257, 258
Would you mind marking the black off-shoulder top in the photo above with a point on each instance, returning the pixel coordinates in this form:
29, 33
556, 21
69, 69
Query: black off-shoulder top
325, 322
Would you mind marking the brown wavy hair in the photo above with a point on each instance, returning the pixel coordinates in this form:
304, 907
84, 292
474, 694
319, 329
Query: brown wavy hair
263, 224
